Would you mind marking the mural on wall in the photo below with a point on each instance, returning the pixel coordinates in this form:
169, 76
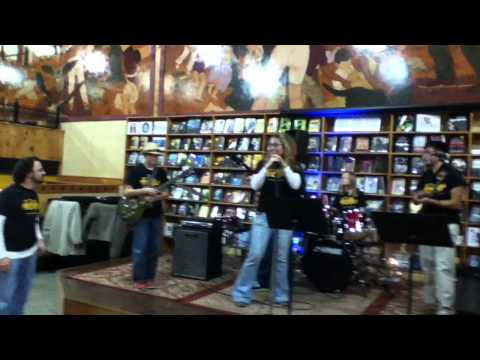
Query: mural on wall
222, 78
88, 80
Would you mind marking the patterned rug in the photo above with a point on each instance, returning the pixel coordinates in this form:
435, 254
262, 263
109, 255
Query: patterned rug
215, 294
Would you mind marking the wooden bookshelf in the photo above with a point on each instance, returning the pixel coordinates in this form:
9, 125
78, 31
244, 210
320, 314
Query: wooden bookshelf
388, 130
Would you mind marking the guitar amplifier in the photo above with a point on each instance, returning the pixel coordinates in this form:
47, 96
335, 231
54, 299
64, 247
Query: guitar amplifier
198, 250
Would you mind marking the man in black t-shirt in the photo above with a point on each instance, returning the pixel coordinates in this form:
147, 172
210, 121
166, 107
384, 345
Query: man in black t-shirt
440, 191
20, 236
142, 181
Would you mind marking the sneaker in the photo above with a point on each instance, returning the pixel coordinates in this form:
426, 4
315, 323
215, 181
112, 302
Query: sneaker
241, 303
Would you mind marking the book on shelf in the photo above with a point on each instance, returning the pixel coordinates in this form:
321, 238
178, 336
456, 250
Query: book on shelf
161, 141
474, 214
272, 126
300, 124
175, 144
399, 186
229, 126
441, 138
333, 183
457, 144
260, 126
192, 179
241, 197
402, 144
176, 193
312, 183
202, 161
331, 145
345, 144
197, 144
380, 165
251, 214
182, 159
244, 144
248, 159
371, 185
398, 206
185, 143
193, 126
207, 127
161, 160
239, 125
228, 196
375, 205
475, 195
381, 186
204, 211
313, 163
205, 195
405, 123
133, 128
458, 123
314, 144
361, 183
219, 178
473, 237
428, 123
216, 212
419, 143
348, 164
366, 166
230, 211
255, 144
285, 125
237, 180
218, 195
146, 128
476, 167
219, 143
205, 179
459, 164
134, 143
357, 125
413, 186
379, 144
172, 159
362, 143
232, 144
241, 213
143, 141
207, 144
132, 158
141, 159
400, 165
219, 126
250, 125
417, 165
257, 158
314, 125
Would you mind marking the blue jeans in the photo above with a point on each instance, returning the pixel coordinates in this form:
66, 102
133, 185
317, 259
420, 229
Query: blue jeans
146, 243
261, 233
15, 285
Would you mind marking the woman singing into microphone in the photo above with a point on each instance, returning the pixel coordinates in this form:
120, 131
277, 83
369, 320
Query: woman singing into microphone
279, 178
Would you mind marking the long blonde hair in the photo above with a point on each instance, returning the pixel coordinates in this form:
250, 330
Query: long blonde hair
289, 148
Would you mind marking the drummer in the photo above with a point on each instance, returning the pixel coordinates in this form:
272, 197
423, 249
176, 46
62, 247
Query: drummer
350, 197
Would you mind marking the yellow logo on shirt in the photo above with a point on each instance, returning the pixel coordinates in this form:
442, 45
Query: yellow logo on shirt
275, 173
348, 201
434, 188
30, 205
145, 181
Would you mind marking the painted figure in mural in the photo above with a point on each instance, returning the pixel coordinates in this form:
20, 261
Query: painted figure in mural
127, 99
194, 67
295, 58
76, 71
445, 66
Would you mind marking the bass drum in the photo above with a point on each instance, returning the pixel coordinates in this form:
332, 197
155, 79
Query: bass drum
328, 266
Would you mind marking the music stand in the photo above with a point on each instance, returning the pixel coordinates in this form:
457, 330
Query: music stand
296, 214
412, 229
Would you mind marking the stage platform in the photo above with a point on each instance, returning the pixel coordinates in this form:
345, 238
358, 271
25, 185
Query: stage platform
107, 289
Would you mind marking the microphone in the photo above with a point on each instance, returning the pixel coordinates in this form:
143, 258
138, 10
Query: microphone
239, 161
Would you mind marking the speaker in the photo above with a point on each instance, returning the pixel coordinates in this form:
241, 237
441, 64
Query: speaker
301, 138
197, 251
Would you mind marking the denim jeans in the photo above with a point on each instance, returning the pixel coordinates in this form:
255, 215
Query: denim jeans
261, 233
15, 285
146, 246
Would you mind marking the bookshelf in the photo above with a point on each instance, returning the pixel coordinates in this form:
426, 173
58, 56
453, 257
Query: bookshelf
381, 156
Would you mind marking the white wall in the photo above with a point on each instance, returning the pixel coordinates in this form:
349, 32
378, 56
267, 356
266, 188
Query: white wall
94, 149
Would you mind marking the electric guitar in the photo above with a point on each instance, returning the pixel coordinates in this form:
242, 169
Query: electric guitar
131, 209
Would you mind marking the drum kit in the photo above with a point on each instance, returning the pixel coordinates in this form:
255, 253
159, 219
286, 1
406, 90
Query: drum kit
347, 254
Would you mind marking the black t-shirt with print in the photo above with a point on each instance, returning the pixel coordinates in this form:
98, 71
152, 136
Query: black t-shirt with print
276, 192
348, 202
21, 208
139, 177
438, 186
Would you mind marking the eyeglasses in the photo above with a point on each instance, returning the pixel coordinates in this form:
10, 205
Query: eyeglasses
274, 145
